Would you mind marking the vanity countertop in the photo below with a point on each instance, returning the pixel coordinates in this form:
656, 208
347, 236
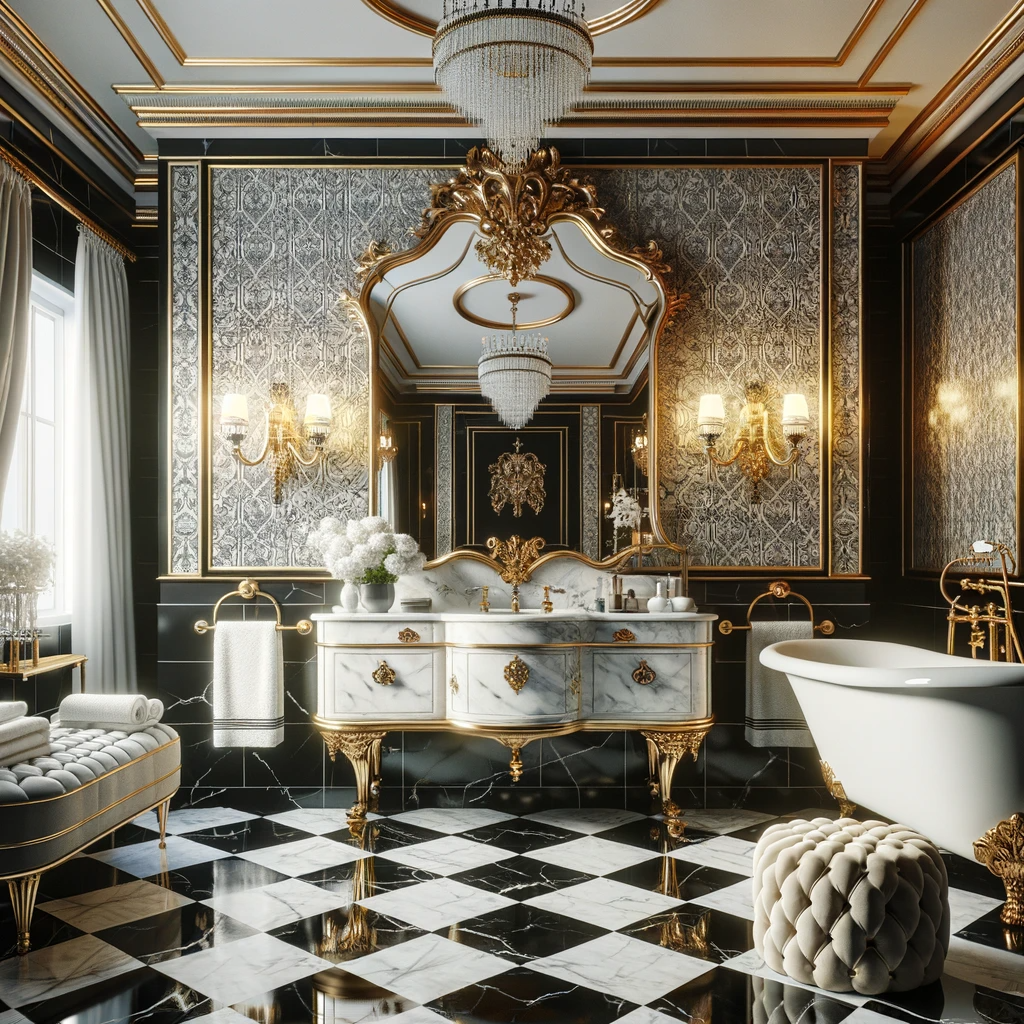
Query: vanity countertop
504, 615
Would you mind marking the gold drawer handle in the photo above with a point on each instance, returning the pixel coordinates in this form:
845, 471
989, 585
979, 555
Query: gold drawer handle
408, 636
644, 675
384, 674
517, 674
624, 636
453, 685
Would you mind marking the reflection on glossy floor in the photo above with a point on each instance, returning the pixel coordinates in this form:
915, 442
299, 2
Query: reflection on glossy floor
449, 914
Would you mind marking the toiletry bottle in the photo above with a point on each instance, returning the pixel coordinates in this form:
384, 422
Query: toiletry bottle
659, 602
599, 598
616, 594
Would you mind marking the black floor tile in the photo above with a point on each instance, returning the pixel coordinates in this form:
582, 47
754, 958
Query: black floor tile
346, 934
520, 835
381, 875
217, 878
245, 836
675, 877
383, 834
697, 931
654, 835
990, 931
520, 878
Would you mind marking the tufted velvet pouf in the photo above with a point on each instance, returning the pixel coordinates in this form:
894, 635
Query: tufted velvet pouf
851, 906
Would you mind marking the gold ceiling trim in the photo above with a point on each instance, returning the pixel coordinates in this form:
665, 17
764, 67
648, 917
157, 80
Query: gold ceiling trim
899, 149
57, 68
133, 44
398, 15
496, 325
893, 38
163, 30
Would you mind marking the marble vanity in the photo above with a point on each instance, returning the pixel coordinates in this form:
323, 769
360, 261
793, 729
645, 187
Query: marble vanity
514, 678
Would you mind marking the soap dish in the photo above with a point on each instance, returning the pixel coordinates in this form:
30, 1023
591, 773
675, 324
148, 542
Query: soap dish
415, 604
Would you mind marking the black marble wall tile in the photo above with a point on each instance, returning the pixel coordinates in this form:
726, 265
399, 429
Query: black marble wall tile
297, 761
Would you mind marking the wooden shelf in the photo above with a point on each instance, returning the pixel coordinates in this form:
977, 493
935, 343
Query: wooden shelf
51, 663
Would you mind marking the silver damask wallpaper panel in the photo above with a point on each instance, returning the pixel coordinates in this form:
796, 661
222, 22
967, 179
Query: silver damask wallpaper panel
964, 361
845, 369
746, 244
284, 246
444, 461
590, 479
184, 304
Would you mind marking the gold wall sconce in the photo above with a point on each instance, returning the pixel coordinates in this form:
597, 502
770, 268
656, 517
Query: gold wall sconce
386, 448
287, 447
639, 446
753, 448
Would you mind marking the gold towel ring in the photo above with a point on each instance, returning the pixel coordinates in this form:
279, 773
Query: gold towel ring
249, 590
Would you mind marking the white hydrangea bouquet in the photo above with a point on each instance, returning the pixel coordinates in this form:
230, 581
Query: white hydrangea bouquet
365, 550
26, 562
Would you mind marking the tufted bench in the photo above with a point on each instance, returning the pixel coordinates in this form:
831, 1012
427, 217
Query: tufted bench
93, 781
851, 906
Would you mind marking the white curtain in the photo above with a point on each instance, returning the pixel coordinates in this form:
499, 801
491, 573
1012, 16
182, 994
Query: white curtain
104, 621
15, 297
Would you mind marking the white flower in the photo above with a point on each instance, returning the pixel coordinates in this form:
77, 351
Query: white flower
626, 512
356, 530
26, 562
376, 524
354, 548
381, 544
406, 545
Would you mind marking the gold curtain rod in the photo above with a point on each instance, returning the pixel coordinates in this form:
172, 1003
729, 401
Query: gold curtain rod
43, 186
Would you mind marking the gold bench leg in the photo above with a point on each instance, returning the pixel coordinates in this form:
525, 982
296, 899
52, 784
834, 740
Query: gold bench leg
161, 814
23, 900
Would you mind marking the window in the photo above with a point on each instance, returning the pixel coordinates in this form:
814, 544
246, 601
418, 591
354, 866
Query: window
35, 497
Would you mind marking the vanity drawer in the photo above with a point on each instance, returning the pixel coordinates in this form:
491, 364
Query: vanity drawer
545, 682
635, 682
374, 631
644, 630
367, 684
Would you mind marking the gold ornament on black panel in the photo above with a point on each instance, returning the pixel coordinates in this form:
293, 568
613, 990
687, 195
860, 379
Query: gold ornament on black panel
517, 479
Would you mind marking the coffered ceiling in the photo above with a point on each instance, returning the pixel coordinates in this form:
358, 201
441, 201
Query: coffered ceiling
904, 75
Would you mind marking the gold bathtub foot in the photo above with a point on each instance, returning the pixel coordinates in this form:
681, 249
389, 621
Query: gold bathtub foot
664, 752
23, 900
835, 787
1001, 850
161, 816
363, 752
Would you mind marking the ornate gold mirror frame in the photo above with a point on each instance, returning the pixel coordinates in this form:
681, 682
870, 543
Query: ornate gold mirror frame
513, 213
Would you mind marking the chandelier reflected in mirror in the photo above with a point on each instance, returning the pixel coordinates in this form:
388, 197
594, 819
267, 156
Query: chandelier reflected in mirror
513, 67
514, 371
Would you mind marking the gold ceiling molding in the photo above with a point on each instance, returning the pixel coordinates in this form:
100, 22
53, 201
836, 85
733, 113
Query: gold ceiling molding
163, 30
904, 153
890, 43
458, 301
133, 44
403, 18
35, 61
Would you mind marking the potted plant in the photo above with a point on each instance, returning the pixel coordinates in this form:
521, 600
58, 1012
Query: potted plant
366, 553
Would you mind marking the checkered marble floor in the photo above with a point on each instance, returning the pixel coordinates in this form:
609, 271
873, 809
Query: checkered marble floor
434, 915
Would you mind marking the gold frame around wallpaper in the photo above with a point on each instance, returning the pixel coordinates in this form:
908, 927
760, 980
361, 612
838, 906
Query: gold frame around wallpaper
206, 167
908, 348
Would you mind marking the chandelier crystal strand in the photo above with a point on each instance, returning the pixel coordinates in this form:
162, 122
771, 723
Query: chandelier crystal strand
513, 67
514, 371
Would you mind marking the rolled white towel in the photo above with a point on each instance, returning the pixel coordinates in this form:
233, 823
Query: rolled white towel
156, 711
106, 709
12, 709
24, 738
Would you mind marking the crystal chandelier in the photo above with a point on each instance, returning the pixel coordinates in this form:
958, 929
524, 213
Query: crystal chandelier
513, 66
514, 372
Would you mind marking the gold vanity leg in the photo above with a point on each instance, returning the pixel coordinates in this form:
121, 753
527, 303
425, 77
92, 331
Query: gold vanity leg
1001, 850
23, 900
846, 807
161, 816
652, 767
363, 751
515, 741
671, 748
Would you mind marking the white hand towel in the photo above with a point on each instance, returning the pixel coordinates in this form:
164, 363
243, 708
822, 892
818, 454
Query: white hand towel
248, 685
24, 738
12, 709
116, 710
25, 753
773, 716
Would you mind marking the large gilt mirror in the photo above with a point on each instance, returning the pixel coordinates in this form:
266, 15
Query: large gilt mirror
507, 263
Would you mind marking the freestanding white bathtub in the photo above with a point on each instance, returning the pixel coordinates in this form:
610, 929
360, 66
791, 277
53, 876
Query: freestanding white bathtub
930, 740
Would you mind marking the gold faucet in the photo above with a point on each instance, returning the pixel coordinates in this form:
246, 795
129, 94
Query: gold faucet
485, 605
515, 598
546, 605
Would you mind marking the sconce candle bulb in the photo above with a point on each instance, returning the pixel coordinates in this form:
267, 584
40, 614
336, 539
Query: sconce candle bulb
711, 418
234, 418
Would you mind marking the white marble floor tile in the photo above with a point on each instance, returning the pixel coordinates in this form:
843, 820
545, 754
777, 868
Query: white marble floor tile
737, 900
316, 820
452, 820
448, 856
588, 820
241, 969
273, 905
724, 852
985, 965
420, 1015
645, 1015
146, 859
304, 856
106, 908
194, 819
224, 1016
435, 904
624, 967
724, 821
13, 1017
428, 967
56, 970
862, 1015
966, 907
604, 902
593, 855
